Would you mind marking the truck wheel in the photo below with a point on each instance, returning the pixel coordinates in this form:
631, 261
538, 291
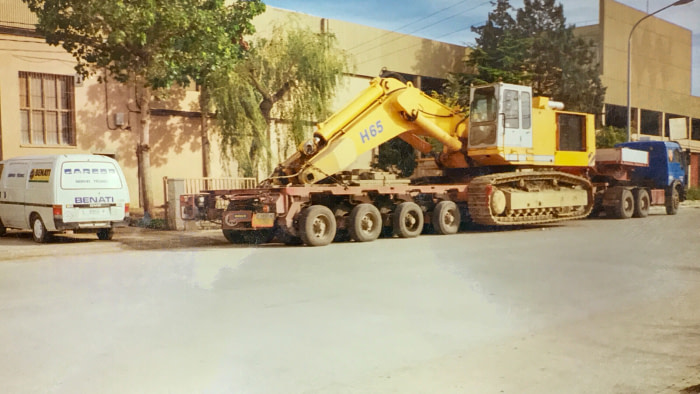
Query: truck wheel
105, 234
625, 207
641, 203
408, 220
673, 201
317, 225
39, 232
446, 217
365, 223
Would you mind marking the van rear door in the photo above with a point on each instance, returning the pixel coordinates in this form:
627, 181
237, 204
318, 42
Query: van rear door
92, 191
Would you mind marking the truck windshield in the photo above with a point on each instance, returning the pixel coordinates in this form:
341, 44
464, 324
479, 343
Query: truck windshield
484, 106
89, 175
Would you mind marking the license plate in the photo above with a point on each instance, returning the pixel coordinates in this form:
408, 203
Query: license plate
94, 213
263, 220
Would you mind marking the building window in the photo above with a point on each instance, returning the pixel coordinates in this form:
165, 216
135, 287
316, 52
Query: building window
651, 122
46, 109
695, 129
616, 116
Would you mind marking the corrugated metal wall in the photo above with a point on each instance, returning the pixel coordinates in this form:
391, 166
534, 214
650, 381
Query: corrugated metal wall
15, 14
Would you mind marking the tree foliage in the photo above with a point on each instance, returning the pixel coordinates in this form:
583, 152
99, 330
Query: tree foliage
153, 43
609, 136
162, 41
534, 46
291, 75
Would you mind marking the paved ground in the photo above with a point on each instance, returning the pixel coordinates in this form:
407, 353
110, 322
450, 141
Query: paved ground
592, 306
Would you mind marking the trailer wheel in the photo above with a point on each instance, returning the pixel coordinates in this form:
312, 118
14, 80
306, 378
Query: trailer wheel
317, 225
408, 220
39, 232
673, 201
641, 203
446, 217
105, 234
625, 207
365, 223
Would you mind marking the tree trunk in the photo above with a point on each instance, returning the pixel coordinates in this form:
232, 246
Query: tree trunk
144, 151
204, 101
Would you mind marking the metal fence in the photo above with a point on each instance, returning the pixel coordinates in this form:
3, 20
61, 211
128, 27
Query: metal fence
198, 185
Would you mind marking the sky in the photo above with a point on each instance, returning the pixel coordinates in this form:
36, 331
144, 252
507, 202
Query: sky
450, 20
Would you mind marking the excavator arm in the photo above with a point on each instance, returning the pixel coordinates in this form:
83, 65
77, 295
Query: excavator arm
385, 110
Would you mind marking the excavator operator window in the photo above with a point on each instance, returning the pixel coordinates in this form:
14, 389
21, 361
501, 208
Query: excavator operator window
511, 108
484, 107
571, 132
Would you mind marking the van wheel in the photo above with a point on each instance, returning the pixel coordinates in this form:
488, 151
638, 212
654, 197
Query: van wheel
105, 234
39, 232
3, 229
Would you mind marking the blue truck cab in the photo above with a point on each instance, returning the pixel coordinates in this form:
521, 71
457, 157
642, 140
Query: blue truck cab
667, 167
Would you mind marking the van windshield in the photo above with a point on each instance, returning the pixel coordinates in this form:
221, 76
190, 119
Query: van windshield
89, 175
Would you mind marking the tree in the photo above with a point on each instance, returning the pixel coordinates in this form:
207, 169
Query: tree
559, 64
535, 47
153, 44
609, 136
291, 75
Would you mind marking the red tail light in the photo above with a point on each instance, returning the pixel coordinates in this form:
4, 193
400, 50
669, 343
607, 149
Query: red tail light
58, 211
126, 209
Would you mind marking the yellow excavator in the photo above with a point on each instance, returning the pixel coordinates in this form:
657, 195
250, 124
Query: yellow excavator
516, 159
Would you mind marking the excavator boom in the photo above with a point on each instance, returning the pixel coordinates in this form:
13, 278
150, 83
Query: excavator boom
385, 110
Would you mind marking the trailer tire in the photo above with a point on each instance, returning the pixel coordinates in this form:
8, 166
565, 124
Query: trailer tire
408, 220
641, 203
39, 232
673, 200
446, 218
365, 223
317, 226
625, 207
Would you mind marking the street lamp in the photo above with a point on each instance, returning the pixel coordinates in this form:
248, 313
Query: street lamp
629, 62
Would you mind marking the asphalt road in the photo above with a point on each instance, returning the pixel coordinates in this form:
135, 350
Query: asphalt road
592, 306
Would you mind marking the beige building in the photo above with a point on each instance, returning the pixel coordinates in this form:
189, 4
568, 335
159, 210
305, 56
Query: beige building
661, 76
45, 108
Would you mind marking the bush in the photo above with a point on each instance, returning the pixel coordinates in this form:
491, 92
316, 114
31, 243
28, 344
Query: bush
608, 136
693, 193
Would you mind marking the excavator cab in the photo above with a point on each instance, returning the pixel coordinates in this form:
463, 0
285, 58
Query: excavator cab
507, 126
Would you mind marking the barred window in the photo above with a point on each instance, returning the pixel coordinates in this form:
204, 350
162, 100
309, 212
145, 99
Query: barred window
46, 109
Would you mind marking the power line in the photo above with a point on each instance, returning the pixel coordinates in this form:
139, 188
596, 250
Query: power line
432, 24
407, 25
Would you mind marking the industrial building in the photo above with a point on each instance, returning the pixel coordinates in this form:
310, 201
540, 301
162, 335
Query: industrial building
45, 108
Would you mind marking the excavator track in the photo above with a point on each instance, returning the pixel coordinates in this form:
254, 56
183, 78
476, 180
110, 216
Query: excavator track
529, 198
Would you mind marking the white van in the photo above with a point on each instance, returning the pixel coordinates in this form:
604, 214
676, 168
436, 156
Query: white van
47, 194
